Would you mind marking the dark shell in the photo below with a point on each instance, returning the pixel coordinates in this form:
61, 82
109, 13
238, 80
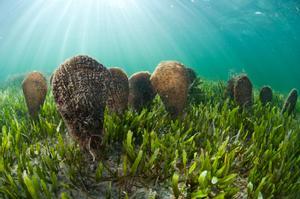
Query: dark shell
230, 88
35, 91
170, 81
243, 91
118, 99
191, 74
290, 102
266, 95
80, 89
141, 92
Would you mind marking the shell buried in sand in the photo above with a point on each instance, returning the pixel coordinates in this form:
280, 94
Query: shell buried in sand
141, 92
80, 89
35, 91
239, 89
243, 91
118, 99
170, 81
266, 95
290, 103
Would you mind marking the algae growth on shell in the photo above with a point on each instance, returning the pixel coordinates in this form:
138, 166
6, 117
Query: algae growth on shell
92, 105
80, 90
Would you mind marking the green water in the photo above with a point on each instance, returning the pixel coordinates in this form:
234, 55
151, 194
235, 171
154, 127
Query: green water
215, 37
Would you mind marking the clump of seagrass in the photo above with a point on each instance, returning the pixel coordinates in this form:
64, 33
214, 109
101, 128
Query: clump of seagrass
170, 81
266, 95
192, 75
35, 91
80, 89
290, 103
51, 78
118, 98
243, 91
196, 94
141, 92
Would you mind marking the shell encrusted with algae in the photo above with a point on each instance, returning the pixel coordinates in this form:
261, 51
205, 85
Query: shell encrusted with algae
266, 95
119, 92
290, 103
35, 90
243, 95
80, 89
170, 81
141, 92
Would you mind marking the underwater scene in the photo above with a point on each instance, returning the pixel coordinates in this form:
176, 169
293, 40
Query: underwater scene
158, 99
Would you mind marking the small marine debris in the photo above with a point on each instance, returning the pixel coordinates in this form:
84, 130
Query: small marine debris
266, 95
192, 75
258, 13
80, 89
35, 90
141, 92
170, 81
243, 91
118, 99
290, 103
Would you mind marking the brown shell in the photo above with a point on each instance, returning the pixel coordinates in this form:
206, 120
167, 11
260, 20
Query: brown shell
191, 74
243, 91
80, 89
118, 98
290, 102
35, 91
266, 95
141, 92
170, 81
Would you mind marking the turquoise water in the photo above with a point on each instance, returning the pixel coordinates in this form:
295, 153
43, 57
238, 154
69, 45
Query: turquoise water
215, 37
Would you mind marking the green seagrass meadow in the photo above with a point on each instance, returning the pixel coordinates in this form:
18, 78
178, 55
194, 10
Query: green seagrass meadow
216, 151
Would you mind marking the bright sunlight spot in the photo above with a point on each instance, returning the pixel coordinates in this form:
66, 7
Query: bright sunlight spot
121, 4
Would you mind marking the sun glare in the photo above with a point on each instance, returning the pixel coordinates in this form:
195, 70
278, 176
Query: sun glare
120, 4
